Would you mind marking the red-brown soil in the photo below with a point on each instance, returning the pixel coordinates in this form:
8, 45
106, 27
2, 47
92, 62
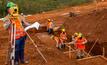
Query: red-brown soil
92, 25
47, 45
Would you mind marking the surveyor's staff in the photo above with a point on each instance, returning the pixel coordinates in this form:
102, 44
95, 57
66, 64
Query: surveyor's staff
36, 47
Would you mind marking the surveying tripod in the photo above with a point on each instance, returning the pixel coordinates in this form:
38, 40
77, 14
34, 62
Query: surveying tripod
10, 57
12, 53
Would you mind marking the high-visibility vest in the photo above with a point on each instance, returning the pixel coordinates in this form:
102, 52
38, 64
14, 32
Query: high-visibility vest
63, 36
19, 29
80, 43
50, 25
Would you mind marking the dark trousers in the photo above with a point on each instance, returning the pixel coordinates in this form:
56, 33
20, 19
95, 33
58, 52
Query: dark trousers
50, 30
19, 49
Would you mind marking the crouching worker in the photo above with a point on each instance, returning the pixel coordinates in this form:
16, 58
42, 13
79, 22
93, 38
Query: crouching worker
50, 26
80, 45
63, 38
14, 18
74, 37
56, 38
59, 44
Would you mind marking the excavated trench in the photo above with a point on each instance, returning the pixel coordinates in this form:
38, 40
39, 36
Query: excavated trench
87, 21
92, 47
96, 50
93, 26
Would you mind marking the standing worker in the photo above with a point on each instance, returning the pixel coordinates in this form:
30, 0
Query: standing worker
50, 26
74, 38
14, 18
80, 45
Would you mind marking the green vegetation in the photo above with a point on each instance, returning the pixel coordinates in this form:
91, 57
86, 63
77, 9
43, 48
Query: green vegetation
38, 6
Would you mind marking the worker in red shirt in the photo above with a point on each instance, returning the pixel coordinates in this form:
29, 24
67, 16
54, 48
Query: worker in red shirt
80, 42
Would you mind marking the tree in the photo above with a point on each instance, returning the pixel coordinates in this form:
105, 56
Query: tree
2, 7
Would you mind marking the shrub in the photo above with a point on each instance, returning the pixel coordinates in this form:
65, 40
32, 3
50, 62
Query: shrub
38, 6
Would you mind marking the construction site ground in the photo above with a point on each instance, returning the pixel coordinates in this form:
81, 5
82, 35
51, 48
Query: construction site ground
47, 45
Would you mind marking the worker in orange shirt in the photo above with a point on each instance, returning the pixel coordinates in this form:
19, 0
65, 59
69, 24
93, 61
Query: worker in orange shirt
50, 26
63, 37
13, 17
80, 42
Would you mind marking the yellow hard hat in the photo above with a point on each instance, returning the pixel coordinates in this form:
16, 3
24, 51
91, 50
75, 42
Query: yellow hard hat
63, 30
76, 34
49, 19
80, 35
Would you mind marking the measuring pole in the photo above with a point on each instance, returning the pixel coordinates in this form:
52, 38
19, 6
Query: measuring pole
103, 51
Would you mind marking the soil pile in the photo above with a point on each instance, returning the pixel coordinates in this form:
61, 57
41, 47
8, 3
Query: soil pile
93, 25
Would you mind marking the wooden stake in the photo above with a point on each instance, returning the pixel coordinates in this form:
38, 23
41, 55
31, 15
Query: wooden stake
103, 51
70, 52
93, 46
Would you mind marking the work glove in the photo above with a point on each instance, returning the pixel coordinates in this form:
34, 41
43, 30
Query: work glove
34, 25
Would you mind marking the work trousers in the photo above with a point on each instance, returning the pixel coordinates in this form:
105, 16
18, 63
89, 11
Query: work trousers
50, 31
19, 49
80, 53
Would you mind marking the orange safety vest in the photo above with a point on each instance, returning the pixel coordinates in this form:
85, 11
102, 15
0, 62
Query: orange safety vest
63, 36
19, 29
79, 44
50, 25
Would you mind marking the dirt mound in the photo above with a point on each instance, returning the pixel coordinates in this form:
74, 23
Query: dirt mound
93, 25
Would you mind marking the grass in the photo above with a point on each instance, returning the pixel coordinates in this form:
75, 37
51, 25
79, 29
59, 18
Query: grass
38, 6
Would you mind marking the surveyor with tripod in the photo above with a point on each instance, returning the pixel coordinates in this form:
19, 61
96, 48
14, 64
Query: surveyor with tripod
13, 18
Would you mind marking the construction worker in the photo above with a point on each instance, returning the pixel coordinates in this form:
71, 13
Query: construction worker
59, 44
63, 37
13, 17
50, 26
80, 45
56, 38
75, 36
